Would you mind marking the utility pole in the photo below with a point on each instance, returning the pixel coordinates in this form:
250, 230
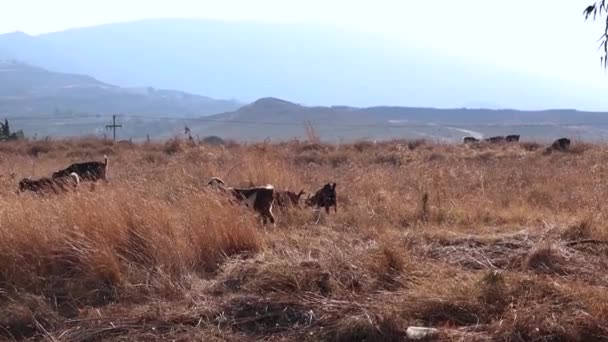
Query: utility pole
113, 126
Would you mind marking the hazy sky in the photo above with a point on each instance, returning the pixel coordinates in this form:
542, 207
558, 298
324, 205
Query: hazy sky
540, 37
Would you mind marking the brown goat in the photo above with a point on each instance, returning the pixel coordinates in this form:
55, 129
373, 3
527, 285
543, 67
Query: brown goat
260, 198
47, 185
324, 197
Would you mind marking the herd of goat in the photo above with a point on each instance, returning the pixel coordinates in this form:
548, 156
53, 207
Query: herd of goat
259, 198
562, 144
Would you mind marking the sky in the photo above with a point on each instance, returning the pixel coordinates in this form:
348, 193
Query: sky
548, 38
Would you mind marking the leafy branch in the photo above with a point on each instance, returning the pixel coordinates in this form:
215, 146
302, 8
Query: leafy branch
594, 10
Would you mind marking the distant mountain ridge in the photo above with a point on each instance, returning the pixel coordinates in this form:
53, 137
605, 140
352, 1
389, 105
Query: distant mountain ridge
27, 89
309, 63
76, 79
279, 119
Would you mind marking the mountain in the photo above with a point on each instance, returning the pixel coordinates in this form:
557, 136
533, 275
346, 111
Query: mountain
277, 119
308, 63
46, 103
282, 120
26, 89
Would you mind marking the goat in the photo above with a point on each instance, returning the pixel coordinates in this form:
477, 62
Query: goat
89, 171
495, 140
470, 140
285, 199
512, 138
260, 198
324, 197
562, 144
46, 185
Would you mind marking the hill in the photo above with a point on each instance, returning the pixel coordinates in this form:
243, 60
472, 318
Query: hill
279, 119
307, 63
69, 105
26, 89
45, 103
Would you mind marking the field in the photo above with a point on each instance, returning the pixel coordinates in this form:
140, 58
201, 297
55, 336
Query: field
483, 243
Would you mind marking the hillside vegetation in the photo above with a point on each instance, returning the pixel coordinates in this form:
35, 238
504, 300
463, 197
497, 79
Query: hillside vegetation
483, 243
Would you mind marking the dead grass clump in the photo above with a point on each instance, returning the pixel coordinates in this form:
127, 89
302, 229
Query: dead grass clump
545, 260
540, 198
322, 156
38, 149
79, 155
305, 147
530, 146
153, 158
392, 159
435, 312
173, 146
107, 151
414, 144
83, 274
14, 147
435, 157
366, 327
362, 146
423, 210
259, 276
89, 142
484, 157
26, 316
311, 157
474, 254
267, 316
337, 159
530, 291
541, 311
536, 324
230, 231
493, 293
579, 148
580, 231
387, 264
60, 255
349, 278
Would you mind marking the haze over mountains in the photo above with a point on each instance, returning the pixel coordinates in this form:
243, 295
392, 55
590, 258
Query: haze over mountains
111, 68
26, 89
315, 65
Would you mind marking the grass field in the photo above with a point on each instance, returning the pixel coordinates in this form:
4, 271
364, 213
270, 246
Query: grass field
483, 243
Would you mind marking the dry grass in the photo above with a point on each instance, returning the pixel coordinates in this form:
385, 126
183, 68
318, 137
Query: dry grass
483, 243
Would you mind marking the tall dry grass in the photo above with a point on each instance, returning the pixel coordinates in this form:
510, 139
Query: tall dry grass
496, 242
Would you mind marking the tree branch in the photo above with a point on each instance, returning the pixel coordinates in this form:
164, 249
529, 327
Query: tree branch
596, 9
